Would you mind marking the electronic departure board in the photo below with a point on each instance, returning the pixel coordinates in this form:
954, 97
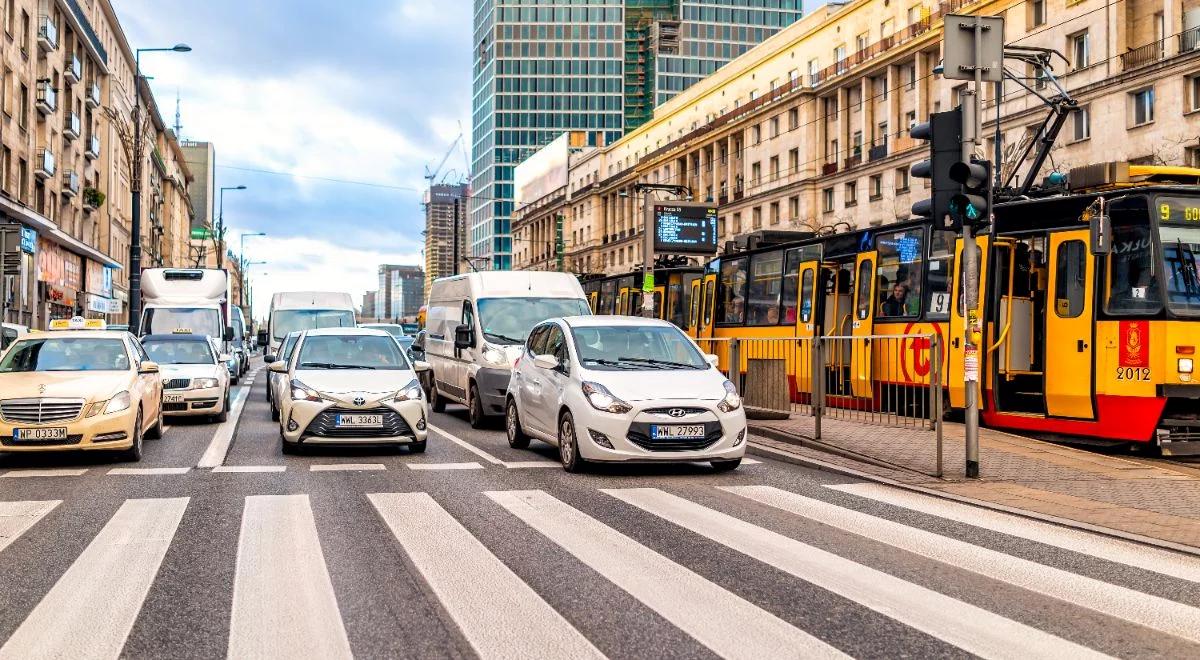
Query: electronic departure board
1184, 210
684, 228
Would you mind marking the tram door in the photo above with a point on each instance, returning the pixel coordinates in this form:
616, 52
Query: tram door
693, 310
863, 326
1017, 315
836, 314
1069, 324
807, 324
708, 297
956, 373
593, 301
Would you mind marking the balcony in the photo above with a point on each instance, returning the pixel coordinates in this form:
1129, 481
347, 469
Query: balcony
92, 199
47, 34
93, 95
877, 151
70, 184
854, 160
72, 127
1189, 40
93, 148
829, 168
45, 167
1143, 55
47, 98
74, 69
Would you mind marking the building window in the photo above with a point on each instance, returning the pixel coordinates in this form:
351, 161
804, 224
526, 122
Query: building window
1037, 13
793, 161
876, 190
774, 213
756, 217
755, 134
1143, 106
793, 119
911, 74
775, 127
1191, 157
1193, 93
1083, 124
794, 209
851, 193
1080, 51
774, 168
755, 174
827, 200
901, 179
737, 223
910, 119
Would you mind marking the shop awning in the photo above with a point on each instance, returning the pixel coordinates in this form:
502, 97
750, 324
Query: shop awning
50, 231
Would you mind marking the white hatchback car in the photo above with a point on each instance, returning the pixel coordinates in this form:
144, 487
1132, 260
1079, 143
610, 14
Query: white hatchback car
623, 389
351, 386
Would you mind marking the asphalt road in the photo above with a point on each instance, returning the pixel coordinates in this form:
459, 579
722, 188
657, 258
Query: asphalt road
476, 549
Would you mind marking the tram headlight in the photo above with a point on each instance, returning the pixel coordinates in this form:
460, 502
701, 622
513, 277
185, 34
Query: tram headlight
1185, 365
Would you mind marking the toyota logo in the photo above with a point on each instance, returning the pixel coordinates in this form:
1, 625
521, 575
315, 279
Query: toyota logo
358, 401
677, 412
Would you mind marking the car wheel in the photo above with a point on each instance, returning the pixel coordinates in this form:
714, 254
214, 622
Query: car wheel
417, 447
274, 412
223, 416
435, 400
512, 424
475, 408
236, 380
288, 448
269, 388
134, 453
156, 431
568, 445
726, 466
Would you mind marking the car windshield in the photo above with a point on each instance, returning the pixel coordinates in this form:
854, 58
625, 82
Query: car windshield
167, 351
66, 354
405, 341
239, 328
1180, 246
351, 352
289, 345
200, 321
635, 347
509, 320
393, 330
295, 320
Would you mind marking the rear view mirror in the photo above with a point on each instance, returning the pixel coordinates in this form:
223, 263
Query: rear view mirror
464, 337
278, 367
229, 333
548, 362
712, 360
1101, 239
262, 337
268, 359
421, 365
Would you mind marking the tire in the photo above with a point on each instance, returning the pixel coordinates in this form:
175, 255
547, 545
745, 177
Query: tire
236, 380
274, 412
417, 447
223, 416
156, 431
436, 401
568, 445
288, 448
134, 453
517, 439
268, 388
475, 408
726, 466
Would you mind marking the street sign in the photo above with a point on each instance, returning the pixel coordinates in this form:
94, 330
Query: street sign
684, 227
961, 54
201, 233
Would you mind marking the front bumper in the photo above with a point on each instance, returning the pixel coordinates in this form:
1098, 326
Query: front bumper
312, 423
96, 433
493, 388
629, 435
208, 401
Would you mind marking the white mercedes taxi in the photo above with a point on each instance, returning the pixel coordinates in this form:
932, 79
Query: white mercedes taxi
195, 380
351, 386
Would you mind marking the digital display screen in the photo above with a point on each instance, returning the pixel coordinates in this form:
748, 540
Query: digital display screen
1181, 210
681, 228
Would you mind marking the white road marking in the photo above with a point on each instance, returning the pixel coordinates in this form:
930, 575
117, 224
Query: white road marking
250, 468
64, 472
346, 467
724, 622
17, 517
1141, 556
148, 471
970, 628
444, 466
166, 427
283, 600
223, 437
525, 465
466, 445
1153, 612
498, 613
91, 609
750, 461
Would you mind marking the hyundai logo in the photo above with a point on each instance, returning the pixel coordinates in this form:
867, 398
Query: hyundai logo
677, 412
358, 401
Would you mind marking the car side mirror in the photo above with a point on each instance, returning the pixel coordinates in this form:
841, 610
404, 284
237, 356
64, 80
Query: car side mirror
262, 337
268, 359
278, 368
712, 360
148, 367
421, 366
464, 337
229, 333
548, 362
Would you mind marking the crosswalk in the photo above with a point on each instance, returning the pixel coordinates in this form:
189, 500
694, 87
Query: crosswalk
284, 601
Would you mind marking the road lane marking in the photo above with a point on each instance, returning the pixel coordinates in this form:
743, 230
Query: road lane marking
17, 517
284, 605
1149, 558
137, 472
223, 437
91, 609
498, 613
250, 468
346, 467
750, 461
522, 465
1153, 612
723, 621
64, 472
466, 445
970, 628
444, 466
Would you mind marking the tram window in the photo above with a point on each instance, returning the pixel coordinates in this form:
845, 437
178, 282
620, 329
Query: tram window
608, 296
731, 303
941, 266
806, 290
1069, 278
710, 295
1180, 247
765, 284
900, 269
791, 270
1133, 279
690, 309
675, 300
864, 289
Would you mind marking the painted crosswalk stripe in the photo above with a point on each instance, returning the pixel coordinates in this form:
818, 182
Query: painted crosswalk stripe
17, 517
466, 445
970, 628
445, 466
146, 472
91, 609
1151, 611
724, 622
250, 468
283, 600
347, 467
1173, 564
218, 448
526, 465
62, 472
497, 612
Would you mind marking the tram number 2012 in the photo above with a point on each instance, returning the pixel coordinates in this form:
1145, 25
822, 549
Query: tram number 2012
1133, 373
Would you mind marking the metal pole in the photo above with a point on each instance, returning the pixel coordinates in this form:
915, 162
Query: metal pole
971, 328
221, 230
735, 364
135, 224
935, 349
454, 255
818, 385
648, 260
4, 282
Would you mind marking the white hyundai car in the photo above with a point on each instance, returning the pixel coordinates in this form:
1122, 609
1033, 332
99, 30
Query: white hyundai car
623, 389
351, 386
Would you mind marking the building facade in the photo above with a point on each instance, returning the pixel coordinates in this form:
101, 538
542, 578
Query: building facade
401, 292
201, 159
368, 305
810, 129
445, 212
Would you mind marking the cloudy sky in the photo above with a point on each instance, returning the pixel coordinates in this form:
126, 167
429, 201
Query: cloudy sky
312, 91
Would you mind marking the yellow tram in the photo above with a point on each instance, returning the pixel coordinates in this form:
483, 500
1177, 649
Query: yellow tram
622, 294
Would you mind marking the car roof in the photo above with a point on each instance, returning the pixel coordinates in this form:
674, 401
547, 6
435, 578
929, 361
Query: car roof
613, 321
379, 325
340, 332
75, 334
174, 337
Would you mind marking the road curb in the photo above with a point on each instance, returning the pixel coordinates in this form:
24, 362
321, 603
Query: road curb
816, 464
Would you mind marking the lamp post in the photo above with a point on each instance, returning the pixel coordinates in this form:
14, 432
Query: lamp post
221, 224
135, 224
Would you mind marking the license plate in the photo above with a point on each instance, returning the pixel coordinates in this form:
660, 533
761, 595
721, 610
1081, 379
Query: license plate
172, 398
677, 432
33, 435
359, 421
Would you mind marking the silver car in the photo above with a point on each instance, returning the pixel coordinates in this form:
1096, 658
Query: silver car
277, 381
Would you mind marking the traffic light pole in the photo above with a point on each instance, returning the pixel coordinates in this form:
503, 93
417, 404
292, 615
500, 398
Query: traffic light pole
972, 136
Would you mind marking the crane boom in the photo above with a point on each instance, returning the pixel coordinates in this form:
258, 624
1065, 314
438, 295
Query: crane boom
430, 175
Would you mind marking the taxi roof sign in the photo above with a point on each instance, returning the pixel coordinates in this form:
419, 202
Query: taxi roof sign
77, 323
182, 331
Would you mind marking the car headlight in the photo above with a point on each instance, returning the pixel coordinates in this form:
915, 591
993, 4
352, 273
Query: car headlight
118, 403
494, 355
732, 401
410, 392
602, 399
302, 392
204, 383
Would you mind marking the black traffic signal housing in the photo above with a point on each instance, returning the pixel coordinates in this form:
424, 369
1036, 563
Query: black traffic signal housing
972, 205
944, 133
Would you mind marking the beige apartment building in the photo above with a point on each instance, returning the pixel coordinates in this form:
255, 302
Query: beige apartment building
809, 130
67, 98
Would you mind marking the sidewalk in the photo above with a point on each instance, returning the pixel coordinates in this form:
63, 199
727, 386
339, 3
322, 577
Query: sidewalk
1159, 501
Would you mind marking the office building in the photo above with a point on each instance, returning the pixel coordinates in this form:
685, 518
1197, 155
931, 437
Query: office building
368, 305
445, 207
401, 292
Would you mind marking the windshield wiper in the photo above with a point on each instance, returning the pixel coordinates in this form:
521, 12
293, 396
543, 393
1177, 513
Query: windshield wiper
659, 363
607, 363
330, 365
513, 340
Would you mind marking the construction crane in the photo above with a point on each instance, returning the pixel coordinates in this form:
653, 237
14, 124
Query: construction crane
431, 175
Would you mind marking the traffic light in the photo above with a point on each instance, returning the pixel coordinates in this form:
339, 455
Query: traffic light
944, 133
972, 204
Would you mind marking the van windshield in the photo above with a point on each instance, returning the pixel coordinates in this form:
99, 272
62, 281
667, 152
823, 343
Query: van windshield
199, 320
509, 320
296, 320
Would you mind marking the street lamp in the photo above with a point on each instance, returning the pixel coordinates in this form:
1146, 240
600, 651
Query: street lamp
135, 225
221, 224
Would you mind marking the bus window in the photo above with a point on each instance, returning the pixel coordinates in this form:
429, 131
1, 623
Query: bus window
941, 267
766, 271
1133, 281
791, 270
732, 304
806, 289
864, 289
1069, 278
900, 273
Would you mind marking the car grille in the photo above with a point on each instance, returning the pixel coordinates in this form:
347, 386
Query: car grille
175, 407
323, 425
667, 411
639, 434
40, 411
177, 383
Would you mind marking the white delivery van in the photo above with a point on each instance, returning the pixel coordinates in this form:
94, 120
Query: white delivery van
294, 311
188, 299
476, 325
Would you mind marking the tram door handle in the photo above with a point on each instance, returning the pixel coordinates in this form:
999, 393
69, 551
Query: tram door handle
957, 341
1080, 345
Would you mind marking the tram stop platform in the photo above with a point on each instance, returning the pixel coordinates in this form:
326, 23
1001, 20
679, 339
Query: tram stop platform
1153, 501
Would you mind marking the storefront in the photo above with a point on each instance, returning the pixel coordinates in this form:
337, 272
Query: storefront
18, 287
60, 279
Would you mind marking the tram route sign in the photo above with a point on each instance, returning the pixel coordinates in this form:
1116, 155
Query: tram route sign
684, 227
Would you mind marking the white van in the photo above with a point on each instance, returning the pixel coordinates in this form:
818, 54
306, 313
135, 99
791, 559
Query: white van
476, 325
307, 310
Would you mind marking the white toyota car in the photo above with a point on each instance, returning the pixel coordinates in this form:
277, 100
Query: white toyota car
614, 388
351, 386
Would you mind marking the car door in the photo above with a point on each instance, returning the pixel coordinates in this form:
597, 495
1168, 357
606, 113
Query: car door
149, 385
545, 405
464, 357
527, 380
